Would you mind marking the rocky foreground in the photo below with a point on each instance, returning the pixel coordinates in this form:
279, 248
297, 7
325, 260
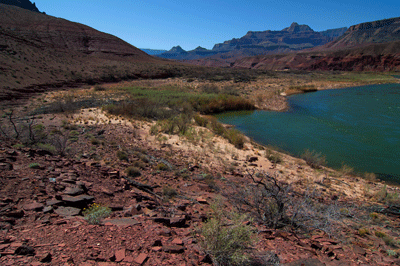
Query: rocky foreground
156, 214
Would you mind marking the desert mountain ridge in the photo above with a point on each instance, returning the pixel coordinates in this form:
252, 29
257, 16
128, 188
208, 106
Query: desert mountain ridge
369, 46
293, 38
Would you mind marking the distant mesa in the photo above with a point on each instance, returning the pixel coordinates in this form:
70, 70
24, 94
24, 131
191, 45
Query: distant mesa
294, 38
177, 49
370, 46
26, 4
296, 28
179, 54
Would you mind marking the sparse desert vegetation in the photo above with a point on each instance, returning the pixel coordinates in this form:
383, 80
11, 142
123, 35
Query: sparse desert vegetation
173, 156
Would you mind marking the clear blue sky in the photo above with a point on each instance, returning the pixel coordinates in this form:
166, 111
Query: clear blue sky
161, 24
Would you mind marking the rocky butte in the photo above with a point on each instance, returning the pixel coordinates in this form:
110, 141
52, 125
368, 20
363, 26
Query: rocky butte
293, 38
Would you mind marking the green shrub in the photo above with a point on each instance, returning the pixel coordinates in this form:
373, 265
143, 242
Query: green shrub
123, 156
346, 170
227, 238
47, 147
235, 137
133, 171
217, 127
95, 213
162, 167
313, 159
139, 164
201, 121
391, 253
389, 241
363, 231
18, 146
273, 157
34, 165
370, 177
380, 234
169, 193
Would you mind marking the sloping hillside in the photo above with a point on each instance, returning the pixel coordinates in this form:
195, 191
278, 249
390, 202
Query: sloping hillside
38, 50
373, 57
379, 31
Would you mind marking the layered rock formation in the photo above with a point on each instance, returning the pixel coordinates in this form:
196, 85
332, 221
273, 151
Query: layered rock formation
293, 38
379, 31
26, 4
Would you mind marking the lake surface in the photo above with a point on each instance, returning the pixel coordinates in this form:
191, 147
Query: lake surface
357, 126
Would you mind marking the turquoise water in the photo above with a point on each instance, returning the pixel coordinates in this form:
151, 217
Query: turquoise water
357, 126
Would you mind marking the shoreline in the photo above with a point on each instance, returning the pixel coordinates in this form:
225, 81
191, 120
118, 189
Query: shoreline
393, 179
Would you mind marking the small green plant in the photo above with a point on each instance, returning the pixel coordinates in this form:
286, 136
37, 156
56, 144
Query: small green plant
363, 232
123, 156
18, 146
162, 167
391, 253
133, 171
273, 157
227, 244
169, 193
95, 213
47, 147
34, 165
200, 120
314, 159
380, 234
346, 170
389, 241
370, 177
374, 215
235, 137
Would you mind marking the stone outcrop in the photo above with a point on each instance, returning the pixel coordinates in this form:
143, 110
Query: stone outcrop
379, 31
26, 4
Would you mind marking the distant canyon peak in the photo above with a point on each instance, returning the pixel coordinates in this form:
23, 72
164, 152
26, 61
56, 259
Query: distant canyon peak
25, 4
293, 38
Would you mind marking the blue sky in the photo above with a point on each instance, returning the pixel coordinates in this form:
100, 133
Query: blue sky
158, 24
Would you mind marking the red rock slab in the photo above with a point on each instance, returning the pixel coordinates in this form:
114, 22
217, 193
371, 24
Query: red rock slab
120, 255
141, 258
201, 200
35, 206
177, 241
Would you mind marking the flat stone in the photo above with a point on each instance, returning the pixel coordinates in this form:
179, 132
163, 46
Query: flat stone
4, 246
67, 211
201, 200
36, 206
141, 258
174, 249
128, 259
177, 241
77, 201
47, 209
74, 191
119, 255
122, 221
177, 221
